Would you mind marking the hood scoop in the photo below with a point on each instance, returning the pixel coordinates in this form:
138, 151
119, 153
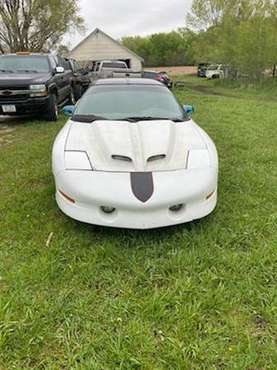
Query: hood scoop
114, 146
157, 157
123, 158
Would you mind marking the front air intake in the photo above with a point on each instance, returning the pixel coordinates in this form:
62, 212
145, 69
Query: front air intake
156, 157
121, 158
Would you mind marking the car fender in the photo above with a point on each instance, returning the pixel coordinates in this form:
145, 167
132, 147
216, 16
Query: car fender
210, 146
58, 160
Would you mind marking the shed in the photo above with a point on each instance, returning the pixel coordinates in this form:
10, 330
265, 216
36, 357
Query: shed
100, 46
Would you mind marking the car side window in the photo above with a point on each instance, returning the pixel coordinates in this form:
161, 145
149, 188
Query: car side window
76, 66
63, 63
66, 65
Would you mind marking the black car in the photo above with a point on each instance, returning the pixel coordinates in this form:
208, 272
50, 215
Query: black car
81, 80
34, 83
159, 76
201, 70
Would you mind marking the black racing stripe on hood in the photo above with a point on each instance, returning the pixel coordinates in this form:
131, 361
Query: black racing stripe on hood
142, 185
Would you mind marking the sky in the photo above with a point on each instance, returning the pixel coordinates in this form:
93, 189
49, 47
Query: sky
121, 18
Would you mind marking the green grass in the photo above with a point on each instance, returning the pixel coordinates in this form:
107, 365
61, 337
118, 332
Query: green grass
196, 296
264, 90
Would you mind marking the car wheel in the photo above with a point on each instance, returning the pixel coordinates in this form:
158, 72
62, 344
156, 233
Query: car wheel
52, 109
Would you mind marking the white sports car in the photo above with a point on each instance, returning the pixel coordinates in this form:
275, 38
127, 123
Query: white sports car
131, 157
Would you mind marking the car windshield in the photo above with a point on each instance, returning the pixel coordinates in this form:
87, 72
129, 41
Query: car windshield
25, 64
123, 102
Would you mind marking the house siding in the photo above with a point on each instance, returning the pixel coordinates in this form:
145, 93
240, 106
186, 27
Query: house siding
99, 46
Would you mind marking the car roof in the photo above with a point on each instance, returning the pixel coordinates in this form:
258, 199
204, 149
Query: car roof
127, 81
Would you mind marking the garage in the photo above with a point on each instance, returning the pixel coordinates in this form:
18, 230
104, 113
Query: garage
100, 46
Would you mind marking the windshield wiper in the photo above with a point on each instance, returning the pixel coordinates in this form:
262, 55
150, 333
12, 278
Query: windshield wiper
137, 119
91, 118
6, 71
87, 118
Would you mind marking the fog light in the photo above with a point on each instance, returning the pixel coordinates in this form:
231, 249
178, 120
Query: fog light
176, 208
107, 210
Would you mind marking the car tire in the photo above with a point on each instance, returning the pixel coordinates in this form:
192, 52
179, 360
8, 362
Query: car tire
52, 109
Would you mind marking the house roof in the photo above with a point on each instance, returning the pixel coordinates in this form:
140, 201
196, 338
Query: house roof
96, 31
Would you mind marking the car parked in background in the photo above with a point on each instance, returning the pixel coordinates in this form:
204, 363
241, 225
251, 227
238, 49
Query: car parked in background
80, 80
159, 76
34, 83
168, 80
201, 70
215, 71
112, 68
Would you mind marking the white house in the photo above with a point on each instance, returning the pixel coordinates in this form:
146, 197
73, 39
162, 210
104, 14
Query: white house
100, 46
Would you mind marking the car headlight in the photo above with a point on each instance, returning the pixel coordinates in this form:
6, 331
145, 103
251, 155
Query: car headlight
38, 90
77, 161
198, 158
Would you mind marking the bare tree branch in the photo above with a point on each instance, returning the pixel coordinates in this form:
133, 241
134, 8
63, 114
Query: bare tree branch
36, 25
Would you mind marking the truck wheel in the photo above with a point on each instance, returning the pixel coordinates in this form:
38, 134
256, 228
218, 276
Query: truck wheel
52, 109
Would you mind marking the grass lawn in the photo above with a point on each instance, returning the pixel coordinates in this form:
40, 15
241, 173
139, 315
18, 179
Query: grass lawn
196, 296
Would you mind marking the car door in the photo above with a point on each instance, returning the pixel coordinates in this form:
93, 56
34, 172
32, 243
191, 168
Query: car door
58, 79
65, 78
82, 75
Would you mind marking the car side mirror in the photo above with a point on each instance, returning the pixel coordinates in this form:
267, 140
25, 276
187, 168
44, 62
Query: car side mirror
189, 109
69, 110
59, 69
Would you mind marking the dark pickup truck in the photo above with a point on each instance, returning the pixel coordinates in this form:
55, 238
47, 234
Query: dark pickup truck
81, 79
35, 83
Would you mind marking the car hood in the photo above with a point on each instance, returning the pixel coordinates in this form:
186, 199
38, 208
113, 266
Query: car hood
23, 79
120, 146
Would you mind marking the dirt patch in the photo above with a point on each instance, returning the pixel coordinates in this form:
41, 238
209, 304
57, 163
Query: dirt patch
175, 71
207, 90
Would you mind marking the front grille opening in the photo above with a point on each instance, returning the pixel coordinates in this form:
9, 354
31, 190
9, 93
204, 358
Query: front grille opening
121, 158
107, 210
157, 157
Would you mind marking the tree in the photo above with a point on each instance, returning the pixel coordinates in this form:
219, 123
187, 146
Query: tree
63, 50
36, 25
163, 49
240, 33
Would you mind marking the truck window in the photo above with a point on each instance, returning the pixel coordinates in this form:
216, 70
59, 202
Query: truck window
114, 65
30, 63
77, 66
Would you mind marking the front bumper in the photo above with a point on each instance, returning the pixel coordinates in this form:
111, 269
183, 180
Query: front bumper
25, 106
92, 190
